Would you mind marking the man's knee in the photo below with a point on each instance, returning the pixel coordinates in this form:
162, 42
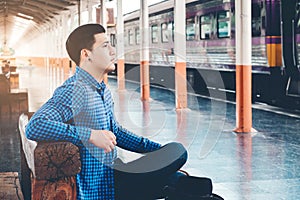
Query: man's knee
176, 149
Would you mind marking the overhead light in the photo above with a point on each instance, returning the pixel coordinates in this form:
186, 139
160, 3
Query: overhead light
25, 16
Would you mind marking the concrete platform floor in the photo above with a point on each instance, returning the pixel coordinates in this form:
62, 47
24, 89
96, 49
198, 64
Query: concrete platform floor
262, 165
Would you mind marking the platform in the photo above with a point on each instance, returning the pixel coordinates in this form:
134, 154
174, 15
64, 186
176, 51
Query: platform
260, 165
10, 186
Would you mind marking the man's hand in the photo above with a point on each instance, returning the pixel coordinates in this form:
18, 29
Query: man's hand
103, 139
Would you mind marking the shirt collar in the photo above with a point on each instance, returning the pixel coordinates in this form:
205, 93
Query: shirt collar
89, 79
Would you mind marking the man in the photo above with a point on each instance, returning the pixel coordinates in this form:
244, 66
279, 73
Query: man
81, 111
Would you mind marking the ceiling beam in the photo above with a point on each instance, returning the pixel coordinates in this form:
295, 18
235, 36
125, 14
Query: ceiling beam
36, 11
60, 4
36, 18
42, 6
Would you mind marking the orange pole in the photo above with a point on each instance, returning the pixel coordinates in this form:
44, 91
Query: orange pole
180, 54
243, 99
180, 84
145, 85
121, 76
144, 51
243, 67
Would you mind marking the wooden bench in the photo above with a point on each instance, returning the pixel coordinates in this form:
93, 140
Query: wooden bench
13, 101
48, 169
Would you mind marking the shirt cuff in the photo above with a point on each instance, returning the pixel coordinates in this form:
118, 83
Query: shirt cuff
83, 133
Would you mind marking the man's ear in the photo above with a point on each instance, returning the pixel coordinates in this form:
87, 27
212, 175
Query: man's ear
84, 53
84, 56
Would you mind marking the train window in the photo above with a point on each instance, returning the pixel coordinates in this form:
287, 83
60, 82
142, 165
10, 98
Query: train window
256, 20
126, 38
137, 36
154, 33
171, 29
298, 23
190, 29
165, 32
130, 37
263, 22
205, 27
223, 24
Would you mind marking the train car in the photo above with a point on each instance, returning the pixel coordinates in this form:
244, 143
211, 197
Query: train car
210, 50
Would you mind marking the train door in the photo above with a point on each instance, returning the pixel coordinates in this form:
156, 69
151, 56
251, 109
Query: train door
291, 46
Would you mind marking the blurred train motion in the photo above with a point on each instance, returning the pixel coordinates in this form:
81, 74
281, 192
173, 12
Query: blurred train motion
210, 35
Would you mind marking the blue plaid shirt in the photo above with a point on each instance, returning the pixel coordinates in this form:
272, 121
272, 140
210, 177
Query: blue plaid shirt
79, 105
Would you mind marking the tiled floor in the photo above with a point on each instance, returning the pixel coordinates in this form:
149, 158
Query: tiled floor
259, 165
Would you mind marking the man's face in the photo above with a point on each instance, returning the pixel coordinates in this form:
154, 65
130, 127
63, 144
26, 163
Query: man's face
103, 54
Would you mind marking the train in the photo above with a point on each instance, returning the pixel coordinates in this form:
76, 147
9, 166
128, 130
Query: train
210, 48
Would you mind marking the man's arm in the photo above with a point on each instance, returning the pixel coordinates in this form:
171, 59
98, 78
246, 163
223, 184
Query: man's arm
49, 122
129, 141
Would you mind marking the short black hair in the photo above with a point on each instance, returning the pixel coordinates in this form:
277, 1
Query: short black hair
82, 38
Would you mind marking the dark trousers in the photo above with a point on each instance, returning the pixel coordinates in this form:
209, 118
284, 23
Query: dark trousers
146, 177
